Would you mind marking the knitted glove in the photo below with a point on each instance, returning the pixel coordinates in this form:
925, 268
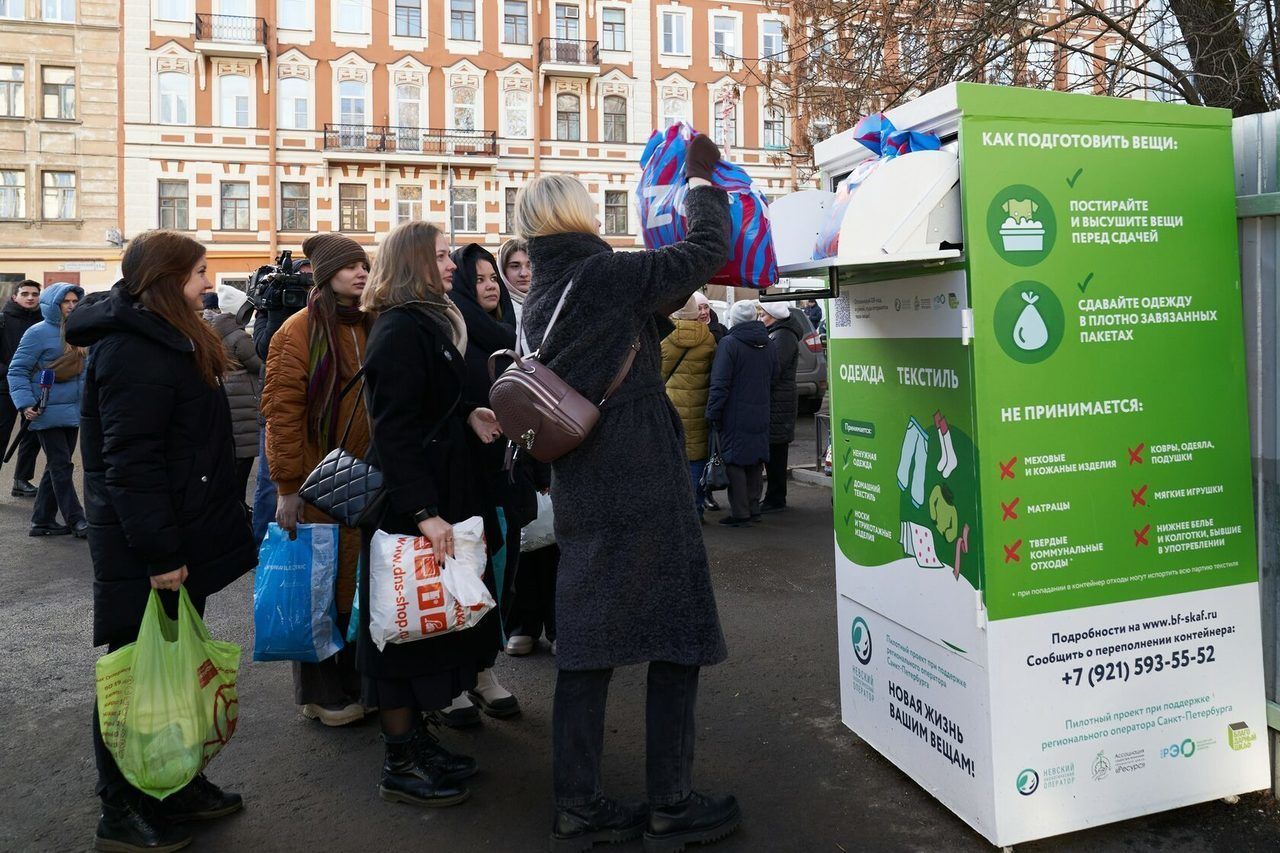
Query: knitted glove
701, 158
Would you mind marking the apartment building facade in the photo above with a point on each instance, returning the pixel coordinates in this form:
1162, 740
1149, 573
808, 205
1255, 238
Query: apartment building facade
59, 193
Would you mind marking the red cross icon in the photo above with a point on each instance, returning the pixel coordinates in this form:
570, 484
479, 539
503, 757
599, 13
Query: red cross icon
1135, 454
1140, 536
1138, 496
1011, 552
1006, 471
1010, 509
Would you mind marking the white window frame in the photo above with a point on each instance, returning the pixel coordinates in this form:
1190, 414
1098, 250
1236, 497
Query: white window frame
555, 109
414, 140
251, 106
626, 123
528, 114
474, 210
764, 135
307, 226
74, 186
338, 25
405, 207
684, 49
1042, 61
476, 109
176, 11
338, 97
736, 139
221, 220
19, 190
290, 108
716, 16
765, 54
187, 98
528, 29
626, 28
626, 212
368, 213
60, 8
305, 24
1081, 54
186, 197
21, 102
686, 114
16, 11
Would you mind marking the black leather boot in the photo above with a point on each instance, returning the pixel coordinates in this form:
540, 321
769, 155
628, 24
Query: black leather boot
452, 766
200, 800
604, 821
697, 819
131, 827
406, 779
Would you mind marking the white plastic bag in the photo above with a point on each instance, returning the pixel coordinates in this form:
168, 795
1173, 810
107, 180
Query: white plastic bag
411, 596
540, 532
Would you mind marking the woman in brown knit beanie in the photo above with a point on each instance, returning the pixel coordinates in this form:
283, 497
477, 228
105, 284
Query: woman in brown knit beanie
314, 355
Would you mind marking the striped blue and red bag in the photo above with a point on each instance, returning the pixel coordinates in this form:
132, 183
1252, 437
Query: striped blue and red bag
660, 202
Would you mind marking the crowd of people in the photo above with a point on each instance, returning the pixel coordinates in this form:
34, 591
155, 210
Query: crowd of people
175, 401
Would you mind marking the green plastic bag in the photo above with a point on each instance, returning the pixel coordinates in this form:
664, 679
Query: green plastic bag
167, 702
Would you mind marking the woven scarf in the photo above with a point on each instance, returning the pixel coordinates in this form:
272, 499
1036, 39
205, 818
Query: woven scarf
323, 370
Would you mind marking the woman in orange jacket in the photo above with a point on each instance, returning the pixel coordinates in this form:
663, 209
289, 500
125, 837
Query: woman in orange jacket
312, 358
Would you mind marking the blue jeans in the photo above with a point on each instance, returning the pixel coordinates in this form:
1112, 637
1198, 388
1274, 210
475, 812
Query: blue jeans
695, 474
264, 492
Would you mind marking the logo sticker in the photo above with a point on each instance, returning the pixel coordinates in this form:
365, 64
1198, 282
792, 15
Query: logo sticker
861, 641
1028, 782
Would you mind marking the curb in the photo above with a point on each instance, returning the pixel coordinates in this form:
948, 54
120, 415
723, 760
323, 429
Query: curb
811, 478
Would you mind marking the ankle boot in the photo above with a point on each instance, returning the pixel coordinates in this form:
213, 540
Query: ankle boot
697, 819
452, 767
492, 697
405, 779
132, 827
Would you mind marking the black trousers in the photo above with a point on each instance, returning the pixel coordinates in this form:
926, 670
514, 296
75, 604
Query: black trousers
24, 460
57, 489
745, 482
112, 786
775, 490
244, 468
578, 733
533, 609
332, 681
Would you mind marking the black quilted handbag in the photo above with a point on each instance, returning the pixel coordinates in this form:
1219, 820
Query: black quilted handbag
344, 486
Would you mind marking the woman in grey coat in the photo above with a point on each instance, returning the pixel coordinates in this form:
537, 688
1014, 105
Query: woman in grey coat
634, 585
244, 391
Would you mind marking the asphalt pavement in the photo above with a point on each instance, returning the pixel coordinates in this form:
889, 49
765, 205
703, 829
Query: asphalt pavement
769, 728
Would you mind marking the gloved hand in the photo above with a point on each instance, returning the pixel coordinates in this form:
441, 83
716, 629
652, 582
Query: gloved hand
701, 158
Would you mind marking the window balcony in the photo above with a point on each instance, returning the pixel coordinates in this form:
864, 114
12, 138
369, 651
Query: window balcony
231, 35
569, 57
380, 143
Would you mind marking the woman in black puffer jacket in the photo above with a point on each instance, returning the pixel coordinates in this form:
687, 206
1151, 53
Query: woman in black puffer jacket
160, 488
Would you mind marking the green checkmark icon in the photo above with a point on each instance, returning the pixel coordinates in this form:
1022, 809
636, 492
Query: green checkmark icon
1084, 285
1071, 181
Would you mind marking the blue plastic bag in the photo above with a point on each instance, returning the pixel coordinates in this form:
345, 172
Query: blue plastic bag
294, 612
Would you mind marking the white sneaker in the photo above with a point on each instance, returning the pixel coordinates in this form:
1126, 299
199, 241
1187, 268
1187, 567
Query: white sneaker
460, 714
334, 715
492, 697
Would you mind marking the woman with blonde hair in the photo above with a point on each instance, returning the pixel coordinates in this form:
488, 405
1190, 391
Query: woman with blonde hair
426, 440
633, 584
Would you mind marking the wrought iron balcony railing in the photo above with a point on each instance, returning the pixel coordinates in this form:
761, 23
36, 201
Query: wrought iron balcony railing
389, 139
235, 28
569, 51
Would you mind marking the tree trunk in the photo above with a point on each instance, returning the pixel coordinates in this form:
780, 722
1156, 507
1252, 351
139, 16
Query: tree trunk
1225, 75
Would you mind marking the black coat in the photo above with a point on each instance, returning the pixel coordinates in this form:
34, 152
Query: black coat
745, 368
784, 401
14, 321
414, 381
159, 465
633, 581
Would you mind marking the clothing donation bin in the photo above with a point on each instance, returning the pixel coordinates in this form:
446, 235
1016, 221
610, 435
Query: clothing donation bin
1046, 570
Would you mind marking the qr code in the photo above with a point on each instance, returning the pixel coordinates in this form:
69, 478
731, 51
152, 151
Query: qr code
843, 319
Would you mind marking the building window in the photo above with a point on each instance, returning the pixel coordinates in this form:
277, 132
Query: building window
13, 91
772, 46
464, 209
615, 211
58, 10
510, 198
1000, 67
775, 128
59, 195
233, 105
353, 208
567, 18
295, 207
58, 86
724, 120
464, 108
173, 205
1041, 68
173, 88
12, 9
173, 10
351, 99
615, 118
409, 18
462, 20
235, 206
614, 29
515, 22
13, 194
295, 103
292, 14
674, 110
568, 118
724, 36
408, 117
673, 33
408, 203
351, 17
516, 118
1080, 75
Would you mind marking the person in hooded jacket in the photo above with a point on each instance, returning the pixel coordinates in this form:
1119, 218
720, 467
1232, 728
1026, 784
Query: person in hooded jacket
244, 391
516, 270
786, 332
57, 426
738, 408
21, 312
160, 485
687, 354
312, 358
481, 295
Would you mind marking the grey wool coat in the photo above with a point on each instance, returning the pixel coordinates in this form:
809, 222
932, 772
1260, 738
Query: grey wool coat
633, 583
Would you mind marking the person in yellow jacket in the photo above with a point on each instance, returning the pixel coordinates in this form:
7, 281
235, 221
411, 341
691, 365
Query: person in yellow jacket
687, 354
312, 358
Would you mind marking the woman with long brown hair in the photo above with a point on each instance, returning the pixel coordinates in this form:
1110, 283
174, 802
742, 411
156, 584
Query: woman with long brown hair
312, 358
160, 490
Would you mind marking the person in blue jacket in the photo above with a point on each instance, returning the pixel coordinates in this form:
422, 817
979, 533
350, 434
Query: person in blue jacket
57, 425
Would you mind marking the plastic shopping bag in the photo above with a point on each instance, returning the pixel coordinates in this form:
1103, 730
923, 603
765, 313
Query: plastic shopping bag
540, 532
294, 612
660, 203
412, 596
876, 133
167, 702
